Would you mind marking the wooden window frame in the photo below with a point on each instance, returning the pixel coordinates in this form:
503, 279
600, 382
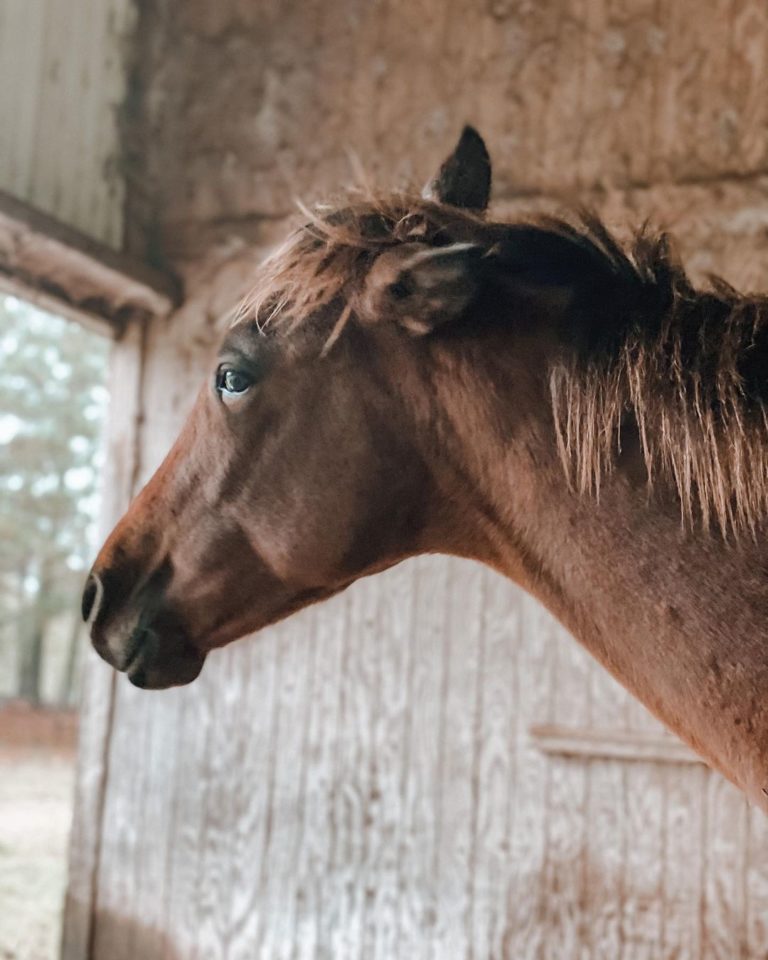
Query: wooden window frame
62, 270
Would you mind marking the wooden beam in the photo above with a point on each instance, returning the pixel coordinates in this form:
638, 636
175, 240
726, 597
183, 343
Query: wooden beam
610, 744
121, 479
63, 270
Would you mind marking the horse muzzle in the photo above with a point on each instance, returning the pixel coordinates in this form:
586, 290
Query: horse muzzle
137, 635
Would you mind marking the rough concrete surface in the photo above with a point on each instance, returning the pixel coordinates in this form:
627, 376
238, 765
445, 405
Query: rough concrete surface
243, 106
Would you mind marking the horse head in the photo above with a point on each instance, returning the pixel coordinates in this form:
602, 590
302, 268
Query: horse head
319, 450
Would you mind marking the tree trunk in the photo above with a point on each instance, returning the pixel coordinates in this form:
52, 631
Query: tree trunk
31, 636
69, 676
30, 657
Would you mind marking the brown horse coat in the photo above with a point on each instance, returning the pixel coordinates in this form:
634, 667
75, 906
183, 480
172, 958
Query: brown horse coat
409, 377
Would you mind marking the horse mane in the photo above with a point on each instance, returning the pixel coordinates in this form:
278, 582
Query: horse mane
642, 346
687, 368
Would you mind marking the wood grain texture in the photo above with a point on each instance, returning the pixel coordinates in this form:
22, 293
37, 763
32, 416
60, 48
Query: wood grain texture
596, 743
63, 78
74, 274
96, 709
361, 782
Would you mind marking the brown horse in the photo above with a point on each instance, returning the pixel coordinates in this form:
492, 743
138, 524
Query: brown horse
410, 377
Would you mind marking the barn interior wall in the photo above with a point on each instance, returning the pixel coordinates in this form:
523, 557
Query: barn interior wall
361, 781
63, 82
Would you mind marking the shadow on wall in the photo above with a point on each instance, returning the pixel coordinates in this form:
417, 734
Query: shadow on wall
125, 938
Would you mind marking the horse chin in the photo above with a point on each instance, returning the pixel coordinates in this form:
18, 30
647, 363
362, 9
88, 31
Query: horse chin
153, 669
153, 661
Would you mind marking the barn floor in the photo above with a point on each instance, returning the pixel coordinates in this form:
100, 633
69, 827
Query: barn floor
36, 786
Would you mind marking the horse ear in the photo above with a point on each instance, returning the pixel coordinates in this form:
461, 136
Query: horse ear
464, 180
422, 288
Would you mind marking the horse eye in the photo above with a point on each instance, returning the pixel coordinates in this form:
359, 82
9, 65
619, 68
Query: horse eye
231, 382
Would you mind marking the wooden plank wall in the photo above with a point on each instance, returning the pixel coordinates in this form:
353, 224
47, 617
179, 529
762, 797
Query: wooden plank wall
62, 81
362, 782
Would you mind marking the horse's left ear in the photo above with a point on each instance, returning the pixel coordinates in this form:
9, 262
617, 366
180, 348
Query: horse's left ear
464, 180
422, 288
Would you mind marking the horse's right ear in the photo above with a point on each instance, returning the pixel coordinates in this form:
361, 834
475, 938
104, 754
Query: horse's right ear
421, 288
464, 180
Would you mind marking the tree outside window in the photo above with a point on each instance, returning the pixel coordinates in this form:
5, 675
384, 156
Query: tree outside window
53, 400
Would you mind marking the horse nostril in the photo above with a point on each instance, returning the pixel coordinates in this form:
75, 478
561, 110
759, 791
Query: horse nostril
91, 597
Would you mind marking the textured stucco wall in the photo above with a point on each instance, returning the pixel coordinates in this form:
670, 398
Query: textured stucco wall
247, 105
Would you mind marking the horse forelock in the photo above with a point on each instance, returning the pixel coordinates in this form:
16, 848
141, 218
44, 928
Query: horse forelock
335, 245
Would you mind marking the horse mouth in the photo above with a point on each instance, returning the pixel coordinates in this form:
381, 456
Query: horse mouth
157, 665
133, 653
178, 673
152, 662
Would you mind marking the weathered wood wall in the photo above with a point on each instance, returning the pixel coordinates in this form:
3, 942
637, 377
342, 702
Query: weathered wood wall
363, 781
62, 80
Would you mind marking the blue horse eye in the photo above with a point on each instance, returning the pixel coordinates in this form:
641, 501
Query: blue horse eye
232, 382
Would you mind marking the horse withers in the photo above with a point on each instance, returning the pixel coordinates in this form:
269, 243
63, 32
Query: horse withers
411, 377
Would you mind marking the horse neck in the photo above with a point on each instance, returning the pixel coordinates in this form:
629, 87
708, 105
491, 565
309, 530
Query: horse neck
677, 616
